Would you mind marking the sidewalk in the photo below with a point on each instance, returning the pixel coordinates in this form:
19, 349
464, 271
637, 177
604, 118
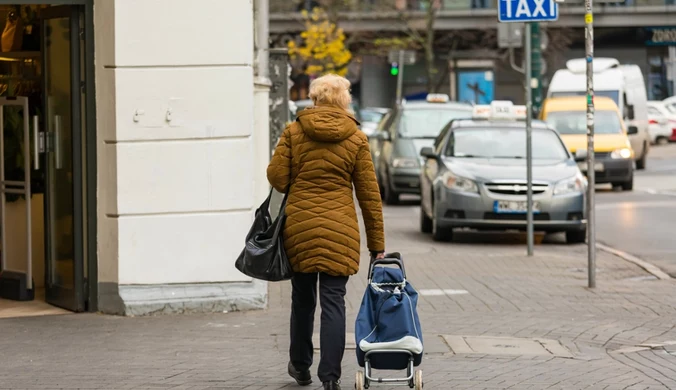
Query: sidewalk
568, 337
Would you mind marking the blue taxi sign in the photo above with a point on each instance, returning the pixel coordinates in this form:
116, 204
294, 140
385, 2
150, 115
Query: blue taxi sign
520, 11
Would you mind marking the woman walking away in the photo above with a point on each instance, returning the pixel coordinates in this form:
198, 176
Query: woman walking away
318, 160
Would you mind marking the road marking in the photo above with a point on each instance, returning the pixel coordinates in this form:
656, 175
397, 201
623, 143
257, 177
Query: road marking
636, 205
667, 168
440, 292
652, 191
650, 268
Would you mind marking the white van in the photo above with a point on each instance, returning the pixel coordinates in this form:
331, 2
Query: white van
622, 83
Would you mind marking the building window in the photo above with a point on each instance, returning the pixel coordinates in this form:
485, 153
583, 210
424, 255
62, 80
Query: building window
658, 85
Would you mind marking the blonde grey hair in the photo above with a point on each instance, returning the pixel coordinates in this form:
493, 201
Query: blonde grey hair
331, 89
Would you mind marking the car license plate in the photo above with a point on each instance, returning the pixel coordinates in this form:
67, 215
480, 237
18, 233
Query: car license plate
598, 167
514, 207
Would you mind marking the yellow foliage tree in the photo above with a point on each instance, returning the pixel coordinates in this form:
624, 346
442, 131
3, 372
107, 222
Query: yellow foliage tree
323, 50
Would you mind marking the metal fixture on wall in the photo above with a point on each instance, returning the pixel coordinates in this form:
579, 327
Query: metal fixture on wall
279, 93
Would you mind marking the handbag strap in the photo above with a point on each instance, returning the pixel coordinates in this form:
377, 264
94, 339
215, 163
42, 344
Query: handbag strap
266, 203
281, 217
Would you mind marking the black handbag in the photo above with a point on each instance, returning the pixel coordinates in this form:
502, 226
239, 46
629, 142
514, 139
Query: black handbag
263, 256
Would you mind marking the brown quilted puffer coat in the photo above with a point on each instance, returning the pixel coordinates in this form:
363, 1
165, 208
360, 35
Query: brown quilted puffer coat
320, 156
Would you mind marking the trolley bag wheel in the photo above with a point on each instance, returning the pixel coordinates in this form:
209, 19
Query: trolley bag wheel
359, 381
418, 380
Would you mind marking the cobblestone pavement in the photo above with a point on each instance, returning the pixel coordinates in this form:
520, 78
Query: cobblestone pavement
597, 333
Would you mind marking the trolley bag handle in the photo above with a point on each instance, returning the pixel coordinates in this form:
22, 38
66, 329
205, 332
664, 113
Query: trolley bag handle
390, 259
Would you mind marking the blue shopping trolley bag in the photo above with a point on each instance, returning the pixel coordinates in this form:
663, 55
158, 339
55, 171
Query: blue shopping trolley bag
388, 318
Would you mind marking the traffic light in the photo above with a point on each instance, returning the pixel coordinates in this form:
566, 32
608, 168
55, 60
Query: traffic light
394, 69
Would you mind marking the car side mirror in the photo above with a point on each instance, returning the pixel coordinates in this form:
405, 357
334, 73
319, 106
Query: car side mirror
629, 112
632, 130
581, 154
383, 135
428, 152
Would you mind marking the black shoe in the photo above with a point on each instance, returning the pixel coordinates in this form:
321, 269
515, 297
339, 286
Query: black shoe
332, 385
303, 378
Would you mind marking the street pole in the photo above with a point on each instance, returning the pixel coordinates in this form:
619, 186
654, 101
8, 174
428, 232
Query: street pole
400, 77
529, 131
591, 173
536, 66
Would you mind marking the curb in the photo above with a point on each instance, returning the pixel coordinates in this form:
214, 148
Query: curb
650, 268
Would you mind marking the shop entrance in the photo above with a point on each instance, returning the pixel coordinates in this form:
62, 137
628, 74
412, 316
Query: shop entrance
43, 154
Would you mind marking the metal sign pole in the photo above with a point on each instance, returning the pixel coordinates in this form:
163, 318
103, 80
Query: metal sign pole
529, 131
591, 174
400, 77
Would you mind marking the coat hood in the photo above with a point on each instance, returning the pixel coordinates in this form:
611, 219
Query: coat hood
327, 124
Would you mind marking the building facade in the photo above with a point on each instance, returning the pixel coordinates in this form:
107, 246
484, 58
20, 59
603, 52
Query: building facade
643, 39
151, 162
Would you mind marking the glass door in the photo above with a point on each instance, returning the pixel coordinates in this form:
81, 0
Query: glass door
62, 126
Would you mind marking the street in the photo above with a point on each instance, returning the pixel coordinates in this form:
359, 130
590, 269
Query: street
492, 318
148, 155
642, 222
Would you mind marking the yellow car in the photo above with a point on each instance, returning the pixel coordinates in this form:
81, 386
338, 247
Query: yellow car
614, 157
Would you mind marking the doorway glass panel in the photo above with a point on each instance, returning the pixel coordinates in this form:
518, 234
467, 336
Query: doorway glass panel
60, 164
61, 50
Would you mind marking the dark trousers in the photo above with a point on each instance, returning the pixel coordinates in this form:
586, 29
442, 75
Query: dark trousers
332, 332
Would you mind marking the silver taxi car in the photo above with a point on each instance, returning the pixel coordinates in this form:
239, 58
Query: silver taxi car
475, 177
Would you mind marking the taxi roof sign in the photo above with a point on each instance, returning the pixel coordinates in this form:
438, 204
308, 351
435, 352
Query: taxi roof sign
499, 110
437, 98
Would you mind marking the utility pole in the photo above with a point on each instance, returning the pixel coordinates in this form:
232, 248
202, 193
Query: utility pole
591, 173
529, 144
536, 66
400, 77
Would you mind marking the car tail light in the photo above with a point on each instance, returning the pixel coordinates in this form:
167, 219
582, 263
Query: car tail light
673, 134
652, 122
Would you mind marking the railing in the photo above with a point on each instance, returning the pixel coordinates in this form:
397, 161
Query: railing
372, 6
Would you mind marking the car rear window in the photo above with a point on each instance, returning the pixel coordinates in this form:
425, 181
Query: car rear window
575, 122
505, 143
428, 123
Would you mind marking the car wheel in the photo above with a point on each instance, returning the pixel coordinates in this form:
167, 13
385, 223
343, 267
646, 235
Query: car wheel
425, 222
642, 162
628, 185
576, 236
440, 233
662, 140
390, 197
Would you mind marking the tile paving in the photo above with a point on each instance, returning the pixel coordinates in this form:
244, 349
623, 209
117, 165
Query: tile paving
508, 295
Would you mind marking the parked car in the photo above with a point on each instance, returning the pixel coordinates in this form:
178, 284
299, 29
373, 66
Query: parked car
614, 155
624, 84
396, 145
670, 104
662, 123
371, 117
474, 176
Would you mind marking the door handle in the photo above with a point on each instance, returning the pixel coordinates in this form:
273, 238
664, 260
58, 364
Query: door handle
57, 141
37, 140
